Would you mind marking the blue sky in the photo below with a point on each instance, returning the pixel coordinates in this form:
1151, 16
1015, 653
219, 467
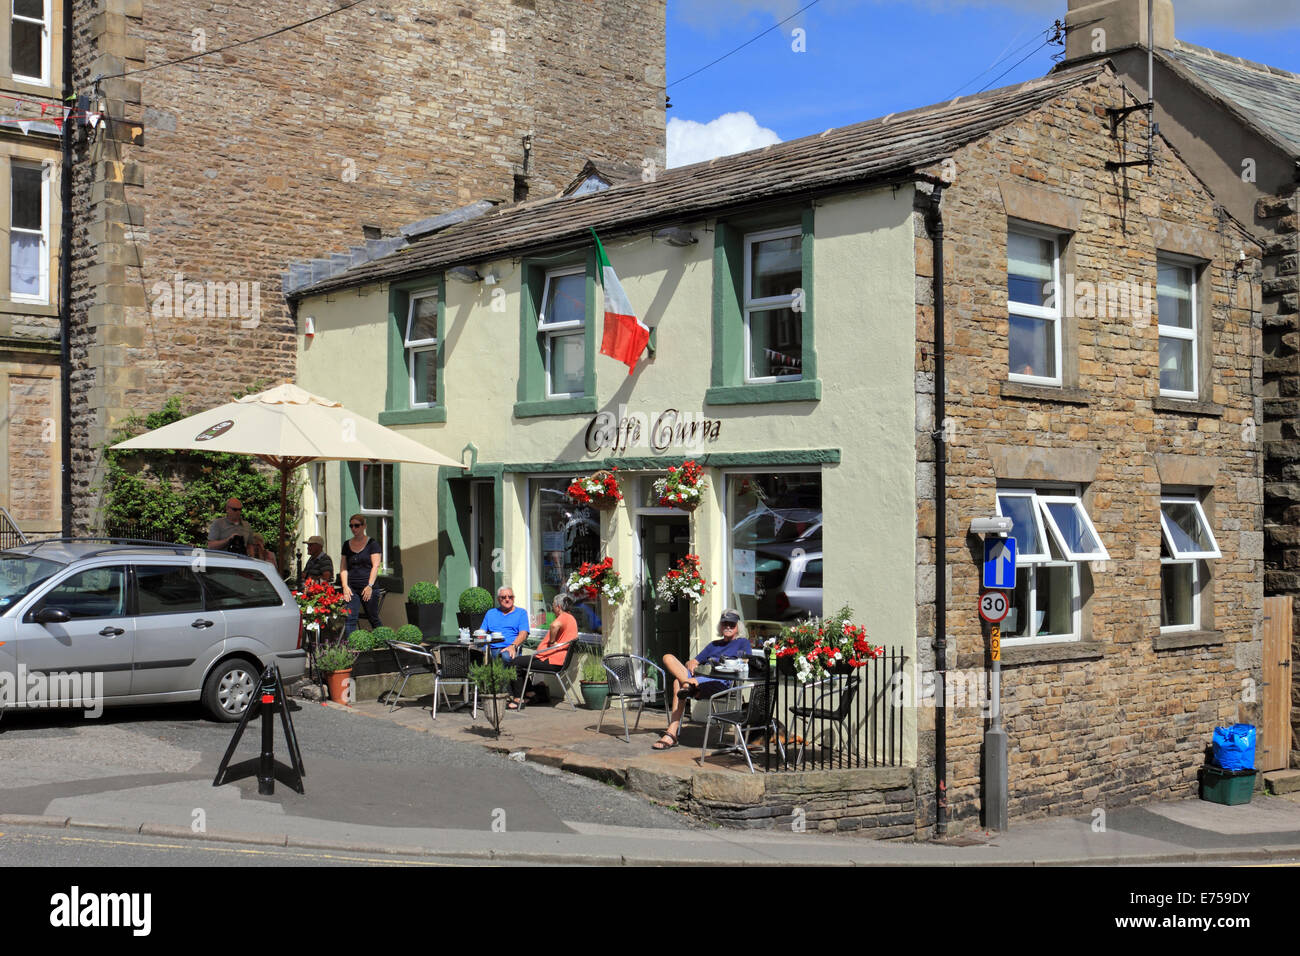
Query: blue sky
866, 58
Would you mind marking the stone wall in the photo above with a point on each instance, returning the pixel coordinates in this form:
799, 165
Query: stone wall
212, 176
1124, 714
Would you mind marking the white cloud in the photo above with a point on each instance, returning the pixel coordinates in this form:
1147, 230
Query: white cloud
692, 142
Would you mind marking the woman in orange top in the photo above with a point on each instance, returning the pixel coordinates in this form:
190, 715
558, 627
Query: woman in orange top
563, 630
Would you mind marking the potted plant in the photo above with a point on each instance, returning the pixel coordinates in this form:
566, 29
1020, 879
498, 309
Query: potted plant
600, 490
593, 681
410, 634
424, 609
335, 661
322, 609
473, 604
592, 581
371, 648
682, 487
683, 581
493, 680
817, 647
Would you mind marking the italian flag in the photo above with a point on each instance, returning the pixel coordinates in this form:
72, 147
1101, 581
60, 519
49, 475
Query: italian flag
626, 336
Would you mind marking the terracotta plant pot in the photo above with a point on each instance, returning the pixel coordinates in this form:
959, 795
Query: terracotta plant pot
340, 686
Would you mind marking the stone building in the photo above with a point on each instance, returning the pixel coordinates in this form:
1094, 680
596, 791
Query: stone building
792, 295
211, 175
31, 87
1237, 126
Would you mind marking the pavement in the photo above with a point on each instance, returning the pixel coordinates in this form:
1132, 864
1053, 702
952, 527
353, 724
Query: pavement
131, 783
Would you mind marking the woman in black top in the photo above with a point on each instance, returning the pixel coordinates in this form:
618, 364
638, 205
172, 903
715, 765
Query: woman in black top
361, 554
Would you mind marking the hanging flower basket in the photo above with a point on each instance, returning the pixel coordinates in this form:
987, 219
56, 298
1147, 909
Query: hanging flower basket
684, 581
599, 490
682, 487
592, 581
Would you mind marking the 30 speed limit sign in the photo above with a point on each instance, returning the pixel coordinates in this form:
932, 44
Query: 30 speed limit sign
994, 606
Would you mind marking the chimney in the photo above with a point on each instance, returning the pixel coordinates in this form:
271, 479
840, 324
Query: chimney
1098, 27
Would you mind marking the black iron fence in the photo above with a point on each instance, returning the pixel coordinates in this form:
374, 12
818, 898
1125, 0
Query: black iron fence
847, 720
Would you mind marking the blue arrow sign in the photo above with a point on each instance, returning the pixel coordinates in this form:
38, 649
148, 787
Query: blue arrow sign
1000, 563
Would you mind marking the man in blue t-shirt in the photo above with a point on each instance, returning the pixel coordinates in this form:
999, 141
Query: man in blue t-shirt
510, 622
728, 645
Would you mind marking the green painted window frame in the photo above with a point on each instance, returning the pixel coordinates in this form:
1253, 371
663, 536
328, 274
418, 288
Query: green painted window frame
727, 378
531, 400
350, 496
397, 401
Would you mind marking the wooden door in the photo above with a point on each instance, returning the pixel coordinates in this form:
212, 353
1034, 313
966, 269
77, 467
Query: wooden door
1273, 748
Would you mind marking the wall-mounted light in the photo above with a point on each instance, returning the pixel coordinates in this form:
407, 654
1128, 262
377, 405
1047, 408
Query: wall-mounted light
308, 326
491, 278
463, 274
676, 236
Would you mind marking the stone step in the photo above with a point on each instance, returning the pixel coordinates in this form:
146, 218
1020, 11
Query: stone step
1282, 781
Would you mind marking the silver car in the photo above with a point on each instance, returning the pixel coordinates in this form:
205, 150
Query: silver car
141, 624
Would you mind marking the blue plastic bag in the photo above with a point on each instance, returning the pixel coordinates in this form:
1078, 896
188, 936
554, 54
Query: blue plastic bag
1234, 747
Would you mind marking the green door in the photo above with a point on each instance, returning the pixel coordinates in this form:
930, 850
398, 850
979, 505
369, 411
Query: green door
664, 540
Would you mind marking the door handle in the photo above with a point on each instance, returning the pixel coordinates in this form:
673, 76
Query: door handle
111, 631
201, 624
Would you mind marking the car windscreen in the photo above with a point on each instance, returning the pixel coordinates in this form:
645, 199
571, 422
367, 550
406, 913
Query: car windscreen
19, 574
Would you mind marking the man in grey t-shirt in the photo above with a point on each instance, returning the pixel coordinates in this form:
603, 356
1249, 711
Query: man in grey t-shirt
229, 526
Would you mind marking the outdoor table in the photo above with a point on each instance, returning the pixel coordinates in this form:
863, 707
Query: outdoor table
758, 674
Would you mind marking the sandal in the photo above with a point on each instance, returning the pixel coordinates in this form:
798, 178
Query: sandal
512, 704
660, 745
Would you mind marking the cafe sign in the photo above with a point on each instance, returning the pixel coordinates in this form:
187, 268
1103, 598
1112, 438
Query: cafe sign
669, 429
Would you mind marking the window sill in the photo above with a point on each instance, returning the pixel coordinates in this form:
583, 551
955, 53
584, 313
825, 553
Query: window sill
414, 416
1052, 653
1187, 407
1177, 640
556, 406
759, 394
1047, 393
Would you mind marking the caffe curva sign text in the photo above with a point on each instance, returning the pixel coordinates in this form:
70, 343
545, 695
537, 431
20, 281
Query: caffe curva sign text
670, 428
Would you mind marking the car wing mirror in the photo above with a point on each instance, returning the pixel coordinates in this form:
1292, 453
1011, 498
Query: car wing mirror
51, 615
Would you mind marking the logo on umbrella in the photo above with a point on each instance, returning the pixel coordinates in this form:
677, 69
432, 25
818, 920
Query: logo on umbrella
220, 428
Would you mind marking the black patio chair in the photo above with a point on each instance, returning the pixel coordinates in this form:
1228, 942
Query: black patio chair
559, 671
409, 660
746, 719
453, 670
630, 679
836, 717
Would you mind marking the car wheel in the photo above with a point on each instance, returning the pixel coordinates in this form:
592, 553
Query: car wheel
229, 689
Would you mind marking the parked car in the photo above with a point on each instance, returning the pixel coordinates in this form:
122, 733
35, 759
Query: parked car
160, 623
789, 579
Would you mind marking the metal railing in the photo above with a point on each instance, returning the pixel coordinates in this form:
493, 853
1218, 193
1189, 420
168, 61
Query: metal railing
10, 534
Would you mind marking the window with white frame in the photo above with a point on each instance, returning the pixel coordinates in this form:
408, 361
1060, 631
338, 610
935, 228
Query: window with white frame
1033, 307
1185, 542
375, 492
1176, 300
317, 474
421, 343
562, 325
1054, 536
29, 41
773, 325
29, 233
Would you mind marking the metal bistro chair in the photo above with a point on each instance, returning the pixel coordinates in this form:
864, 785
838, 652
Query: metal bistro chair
751, 717
630, 679
409, 660
559, 671
846, 688
453, 669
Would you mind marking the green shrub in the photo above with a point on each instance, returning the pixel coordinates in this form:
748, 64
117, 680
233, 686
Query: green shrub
381, 636
475, 601
410, 634
360, 640
424, 592
592, 671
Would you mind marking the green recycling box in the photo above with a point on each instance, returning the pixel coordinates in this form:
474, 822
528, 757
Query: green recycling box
1228, 787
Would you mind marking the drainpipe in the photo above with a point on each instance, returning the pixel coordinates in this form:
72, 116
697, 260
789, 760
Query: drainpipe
65, 286
934, 225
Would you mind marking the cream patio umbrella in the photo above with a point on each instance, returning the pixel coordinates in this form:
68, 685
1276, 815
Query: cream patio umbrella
287, 427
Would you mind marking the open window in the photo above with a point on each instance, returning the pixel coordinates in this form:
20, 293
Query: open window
1186, 542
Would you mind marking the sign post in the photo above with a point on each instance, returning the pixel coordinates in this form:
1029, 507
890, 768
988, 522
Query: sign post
995, 738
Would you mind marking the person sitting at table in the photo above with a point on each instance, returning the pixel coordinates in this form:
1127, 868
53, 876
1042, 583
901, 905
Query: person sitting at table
562, 630
686, 686
509, 621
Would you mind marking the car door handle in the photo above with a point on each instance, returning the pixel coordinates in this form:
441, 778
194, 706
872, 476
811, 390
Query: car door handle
201, 624
111, 631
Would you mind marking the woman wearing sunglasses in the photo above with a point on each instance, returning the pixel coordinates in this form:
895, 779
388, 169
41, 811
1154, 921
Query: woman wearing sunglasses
361, 554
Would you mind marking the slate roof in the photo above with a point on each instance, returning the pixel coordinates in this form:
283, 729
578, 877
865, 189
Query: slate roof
891, 148
1269, 97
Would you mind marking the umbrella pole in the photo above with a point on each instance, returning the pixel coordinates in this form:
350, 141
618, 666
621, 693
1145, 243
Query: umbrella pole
284, 496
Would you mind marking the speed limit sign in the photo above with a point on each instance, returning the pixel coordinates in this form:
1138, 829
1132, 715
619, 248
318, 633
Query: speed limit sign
994, 606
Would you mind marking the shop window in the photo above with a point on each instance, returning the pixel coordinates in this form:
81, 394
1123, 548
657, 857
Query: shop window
375, 494
1055, 539
774, 522
1176, 298
1034, 308
317, 471
562, 537
1186, 543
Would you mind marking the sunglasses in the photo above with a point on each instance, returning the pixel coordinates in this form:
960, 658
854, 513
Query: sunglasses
234, 509
357, 525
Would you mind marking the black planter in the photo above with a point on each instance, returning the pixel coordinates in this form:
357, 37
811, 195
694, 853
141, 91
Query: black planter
472, 621
427, 617
373, 662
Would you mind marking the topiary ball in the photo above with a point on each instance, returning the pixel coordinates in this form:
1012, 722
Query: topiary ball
410, 634
382, 635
